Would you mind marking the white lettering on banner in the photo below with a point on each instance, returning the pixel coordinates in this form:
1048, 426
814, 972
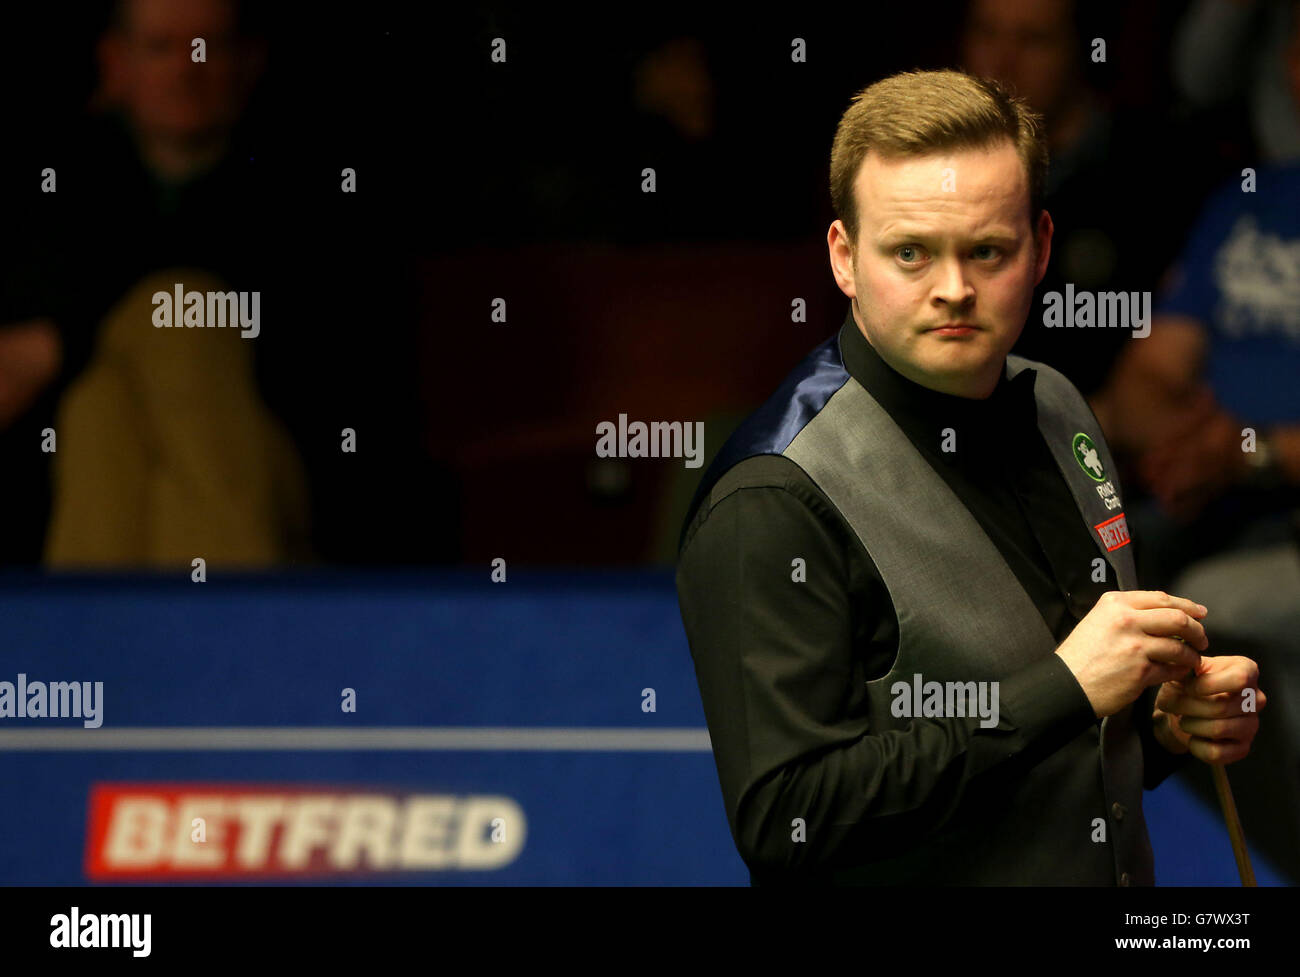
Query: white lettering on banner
295, 832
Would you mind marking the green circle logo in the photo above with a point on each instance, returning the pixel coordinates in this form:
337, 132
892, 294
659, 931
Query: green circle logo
1089, 459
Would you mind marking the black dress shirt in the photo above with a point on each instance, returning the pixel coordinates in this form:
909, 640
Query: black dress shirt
743, 624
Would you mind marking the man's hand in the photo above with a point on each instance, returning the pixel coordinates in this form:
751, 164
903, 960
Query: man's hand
1130, 640
1207, 715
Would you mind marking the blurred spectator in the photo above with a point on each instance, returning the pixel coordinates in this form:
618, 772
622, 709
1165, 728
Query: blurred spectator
1223, 355
1224, 49
173, 179
165, 450
1112, 232
135, 192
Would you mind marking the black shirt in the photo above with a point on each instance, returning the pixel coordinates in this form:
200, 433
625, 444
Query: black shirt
762, 651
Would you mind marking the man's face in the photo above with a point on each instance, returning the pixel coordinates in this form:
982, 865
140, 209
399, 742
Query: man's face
1026, 44
943, 239
151, 70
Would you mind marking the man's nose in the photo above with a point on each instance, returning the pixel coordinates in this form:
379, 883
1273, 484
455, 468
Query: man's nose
951, 286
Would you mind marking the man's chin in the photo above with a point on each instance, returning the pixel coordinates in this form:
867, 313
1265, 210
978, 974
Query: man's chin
956, 367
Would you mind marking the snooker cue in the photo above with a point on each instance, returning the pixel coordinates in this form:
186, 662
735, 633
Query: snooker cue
1235, 831
1229, 807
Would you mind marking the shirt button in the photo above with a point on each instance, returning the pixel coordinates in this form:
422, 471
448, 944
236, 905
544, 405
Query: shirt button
1118, 809
1123, 878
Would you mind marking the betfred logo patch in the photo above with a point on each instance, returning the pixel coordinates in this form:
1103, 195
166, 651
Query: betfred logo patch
1113, 532
160, 831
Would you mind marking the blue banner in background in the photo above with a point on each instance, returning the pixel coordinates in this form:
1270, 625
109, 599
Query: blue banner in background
418, 727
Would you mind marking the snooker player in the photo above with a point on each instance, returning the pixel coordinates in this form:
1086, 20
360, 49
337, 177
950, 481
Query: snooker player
915, 505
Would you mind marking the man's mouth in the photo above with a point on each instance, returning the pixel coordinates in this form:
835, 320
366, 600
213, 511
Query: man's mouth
954, 329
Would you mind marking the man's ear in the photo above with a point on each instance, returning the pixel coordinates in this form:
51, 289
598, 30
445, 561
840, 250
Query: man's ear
837, 240
1043, 244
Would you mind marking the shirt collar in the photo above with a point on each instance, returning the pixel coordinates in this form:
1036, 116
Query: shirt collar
1011, 405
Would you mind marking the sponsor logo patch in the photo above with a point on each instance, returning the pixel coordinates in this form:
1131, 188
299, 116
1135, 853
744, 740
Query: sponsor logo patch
1089, 459
1113, 532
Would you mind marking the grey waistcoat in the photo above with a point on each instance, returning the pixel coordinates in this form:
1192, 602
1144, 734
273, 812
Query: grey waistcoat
963, 616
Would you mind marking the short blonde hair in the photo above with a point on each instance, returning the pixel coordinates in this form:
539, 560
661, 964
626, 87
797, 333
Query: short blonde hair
915, 113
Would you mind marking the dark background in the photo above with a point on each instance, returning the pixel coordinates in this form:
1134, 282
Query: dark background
522, 180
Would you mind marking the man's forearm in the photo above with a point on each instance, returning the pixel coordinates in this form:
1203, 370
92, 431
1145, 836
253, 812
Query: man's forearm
919, 780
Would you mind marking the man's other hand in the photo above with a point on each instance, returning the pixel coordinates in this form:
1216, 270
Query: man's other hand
1211, 715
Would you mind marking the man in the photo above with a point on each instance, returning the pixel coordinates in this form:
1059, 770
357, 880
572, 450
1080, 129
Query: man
220, 443
165, 448
915, 506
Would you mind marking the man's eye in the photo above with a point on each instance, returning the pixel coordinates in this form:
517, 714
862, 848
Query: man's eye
987, 251
908, 253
